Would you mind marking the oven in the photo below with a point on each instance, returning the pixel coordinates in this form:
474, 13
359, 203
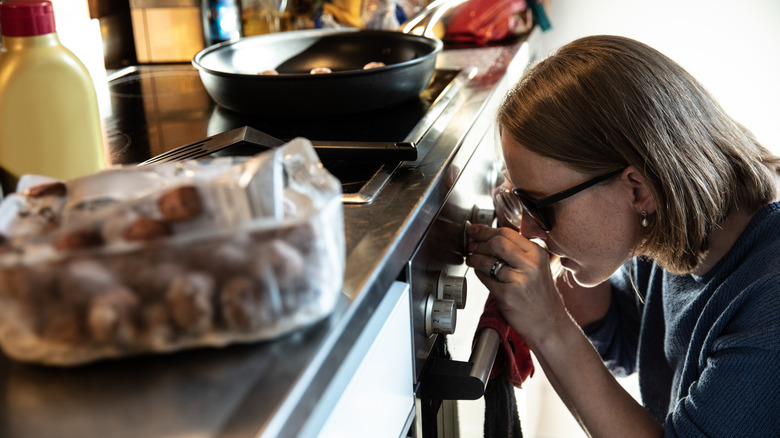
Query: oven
378, 366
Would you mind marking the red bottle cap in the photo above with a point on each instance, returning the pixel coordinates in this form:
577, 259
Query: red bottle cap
20, 18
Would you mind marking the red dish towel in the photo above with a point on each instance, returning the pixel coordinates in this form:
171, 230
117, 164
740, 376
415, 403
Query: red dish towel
513, 357
485, 21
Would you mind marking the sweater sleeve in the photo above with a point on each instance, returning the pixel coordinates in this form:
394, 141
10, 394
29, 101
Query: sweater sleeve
615, 336
734, 389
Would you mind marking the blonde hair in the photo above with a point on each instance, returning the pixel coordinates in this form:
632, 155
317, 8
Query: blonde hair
602, 103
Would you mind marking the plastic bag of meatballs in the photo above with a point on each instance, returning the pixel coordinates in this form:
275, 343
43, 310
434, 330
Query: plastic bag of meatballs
161, 258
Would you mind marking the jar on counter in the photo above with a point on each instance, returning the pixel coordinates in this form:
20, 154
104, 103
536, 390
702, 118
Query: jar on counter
49, 119
265, 16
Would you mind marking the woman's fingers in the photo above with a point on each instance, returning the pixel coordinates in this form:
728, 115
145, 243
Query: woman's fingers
491, 267
488, 245
517, 272
479, 234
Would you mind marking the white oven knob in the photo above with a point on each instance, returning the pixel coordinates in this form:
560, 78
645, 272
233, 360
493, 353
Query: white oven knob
440, 316
452, 287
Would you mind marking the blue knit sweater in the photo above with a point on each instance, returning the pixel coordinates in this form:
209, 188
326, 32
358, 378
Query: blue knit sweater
706, 348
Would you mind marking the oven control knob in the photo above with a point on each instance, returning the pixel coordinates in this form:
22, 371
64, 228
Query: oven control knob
484, 216
440, 316
452, 287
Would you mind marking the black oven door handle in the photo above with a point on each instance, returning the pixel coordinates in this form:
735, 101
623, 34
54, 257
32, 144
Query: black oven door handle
448, 379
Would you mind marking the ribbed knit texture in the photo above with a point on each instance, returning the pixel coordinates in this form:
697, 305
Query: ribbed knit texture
501, 417
707, 349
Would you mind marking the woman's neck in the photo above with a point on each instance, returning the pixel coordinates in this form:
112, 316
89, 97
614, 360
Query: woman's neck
723, 238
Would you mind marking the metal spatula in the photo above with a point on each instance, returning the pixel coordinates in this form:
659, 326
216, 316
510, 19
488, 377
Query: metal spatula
247, 141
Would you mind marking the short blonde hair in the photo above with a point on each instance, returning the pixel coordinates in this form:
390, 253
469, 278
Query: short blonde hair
602, 103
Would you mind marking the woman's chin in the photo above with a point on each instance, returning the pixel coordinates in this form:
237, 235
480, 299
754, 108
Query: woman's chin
582, 277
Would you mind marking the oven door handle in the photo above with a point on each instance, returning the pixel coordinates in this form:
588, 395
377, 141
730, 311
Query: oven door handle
448, 379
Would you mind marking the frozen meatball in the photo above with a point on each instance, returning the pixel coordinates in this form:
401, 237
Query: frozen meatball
283, 268
189, 301
151, 281
244, 306
180, 204
79, 239
83, 278
111, 316
145, 229
230, 257
286, 261
156, 328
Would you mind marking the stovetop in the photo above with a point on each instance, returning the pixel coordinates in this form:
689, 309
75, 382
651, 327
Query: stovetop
156, 108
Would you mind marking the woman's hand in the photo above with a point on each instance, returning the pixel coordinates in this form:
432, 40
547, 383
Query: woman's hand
527, 297
524, 287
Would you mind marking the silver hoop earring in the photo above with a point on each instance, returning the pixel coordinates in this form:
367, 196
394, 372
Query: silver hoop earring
644, 219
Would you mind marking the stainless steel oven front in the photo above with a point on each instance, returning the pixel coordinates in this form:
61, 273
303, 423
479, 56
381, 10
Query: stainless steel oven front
440, 293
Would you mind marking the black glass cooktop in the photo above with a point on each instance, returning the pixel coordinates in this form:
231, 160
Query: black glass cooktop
156, 108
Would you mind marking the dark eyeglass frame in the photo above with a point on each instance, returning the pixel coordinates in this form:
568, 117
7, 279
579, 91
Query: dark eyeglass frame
535, 208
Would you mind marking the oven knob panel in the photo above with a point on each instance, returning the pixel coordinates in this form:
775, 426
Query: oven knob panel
440, 316
452, 287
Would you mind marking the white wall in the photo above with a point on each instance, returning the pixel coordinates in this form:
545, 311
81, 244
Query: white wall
732, 47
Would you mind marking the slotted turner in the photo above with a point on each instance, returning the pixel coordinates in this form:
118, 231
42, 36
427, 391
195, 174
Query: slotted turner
248, 141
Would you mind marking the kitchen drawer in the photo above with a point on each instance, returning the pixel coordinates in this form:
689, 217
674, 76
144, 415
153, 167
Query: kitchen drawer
378, 400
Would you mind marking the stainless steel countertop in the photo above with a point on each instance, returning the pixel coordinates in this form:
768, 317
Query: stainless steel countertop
270, 389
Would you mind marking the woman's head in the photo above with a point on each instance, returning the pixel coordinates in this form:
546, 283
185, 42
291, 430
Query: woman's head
604, 103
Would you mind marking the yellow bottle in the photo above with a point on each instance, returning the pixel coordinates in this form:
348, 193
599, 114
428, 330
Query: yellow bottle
49, 118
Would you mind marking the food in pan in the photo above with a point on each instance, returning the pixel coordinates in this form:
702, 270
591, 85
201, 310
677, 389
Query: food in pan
325, 70
374, 64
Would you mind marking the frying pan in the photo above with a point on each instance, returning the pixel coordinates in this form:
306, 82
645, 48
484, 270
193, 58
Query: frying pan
230, 71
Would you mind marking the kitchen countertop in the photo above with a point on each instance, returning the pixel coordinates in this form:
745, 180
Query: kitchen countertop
268, 389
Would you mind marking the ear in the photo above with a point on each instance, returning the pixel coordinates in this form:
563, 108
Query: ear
642, 196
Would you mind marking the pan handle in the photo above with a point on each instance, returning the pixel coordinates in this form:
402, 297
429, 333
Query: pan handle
423, 22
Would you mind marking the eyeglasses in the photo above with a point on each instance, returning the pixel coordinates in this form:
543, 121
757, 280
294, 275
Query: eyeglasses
535, 209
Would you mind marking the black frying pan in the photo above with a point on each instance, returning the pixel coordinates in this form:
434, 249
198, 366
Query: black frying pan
230, 71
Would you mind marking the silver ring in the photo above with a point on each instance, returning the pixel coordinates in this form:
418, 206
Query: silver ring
495, 268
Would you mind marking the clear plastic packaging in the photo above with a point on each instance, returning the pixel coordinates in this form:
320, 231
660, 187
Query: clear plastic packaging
89, 272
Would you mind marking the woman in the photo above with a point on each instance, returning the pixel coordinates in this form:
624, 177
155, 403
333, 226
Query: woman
663, 211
